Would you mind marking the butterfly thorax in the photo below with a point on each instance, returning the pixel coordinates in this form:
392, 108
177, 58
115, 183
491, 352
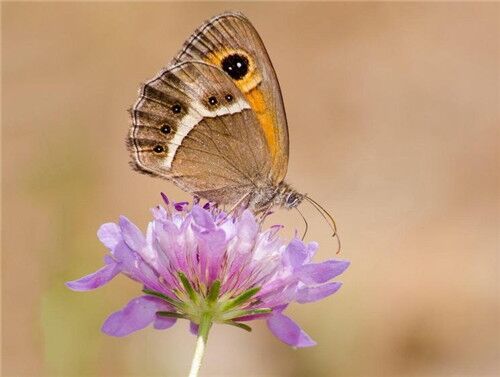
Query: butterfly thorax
283, 195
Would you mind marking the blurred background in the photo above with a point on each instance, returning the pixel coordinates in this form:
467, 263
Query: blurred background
393, 112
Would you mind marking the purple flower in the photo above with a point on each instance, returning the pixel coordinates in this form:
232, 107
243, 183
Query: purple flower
197, 261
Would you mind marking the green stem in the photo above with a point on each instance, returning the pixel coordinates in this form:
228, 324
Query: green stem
201, 342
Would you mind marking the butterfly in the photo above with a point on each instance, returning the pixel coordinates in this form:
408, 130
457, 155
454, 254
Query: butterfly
213, 121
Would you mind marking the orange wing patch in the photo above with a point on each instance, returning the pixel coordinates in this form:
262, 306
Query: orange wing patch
249, 86
266, 118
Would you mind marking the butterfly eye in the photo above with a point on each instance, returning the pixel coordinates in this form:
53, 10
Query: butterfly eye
158, 149
235, 65
166, 129
176, 109
291, 200
229, 98
212, 101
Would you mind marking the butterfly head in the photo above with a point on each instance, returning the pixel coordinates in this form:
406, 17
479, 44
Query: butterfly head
287, 197
292, 199
267, 197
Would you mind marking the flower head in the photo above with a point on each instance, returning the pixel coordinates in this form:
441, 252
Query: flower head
196, 261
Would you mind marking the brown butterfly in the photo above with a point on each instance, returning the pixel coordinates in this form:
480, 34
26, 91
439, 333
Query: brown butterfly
213, 121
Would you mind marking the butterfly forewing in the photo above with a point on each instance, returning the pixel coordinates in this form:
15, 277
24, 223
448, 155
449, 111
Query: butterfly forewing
230, 42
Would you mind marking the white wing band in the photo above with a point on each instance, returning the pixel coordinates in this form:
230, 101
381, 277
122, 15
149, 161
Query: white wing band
195, 116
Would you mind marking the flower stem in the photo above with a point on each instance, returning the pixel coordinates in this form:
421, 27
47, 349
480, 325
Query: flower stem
203, 329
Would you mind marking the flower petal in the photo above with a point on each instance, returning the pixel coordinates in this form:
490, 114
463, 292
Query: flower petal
136, 315
180, 206
203, 218
318, 273
247, 227
162, 323
149, 253
159, 213
211, 247
132, 234
132, 264
296, 253
193, 328
288, 331
312, 247
96, 279
110, 235
127, 257
165, 198
310, 294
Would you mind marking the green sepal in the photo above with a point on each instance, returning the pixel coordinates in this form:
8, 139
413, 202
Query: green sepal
171, 315
239, 325
171, 301
241, 299
187, 286
244, 313
213, 293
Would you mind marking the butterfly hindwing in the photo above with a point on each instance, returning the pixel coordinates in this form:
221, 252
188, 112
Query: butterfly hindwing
193, 125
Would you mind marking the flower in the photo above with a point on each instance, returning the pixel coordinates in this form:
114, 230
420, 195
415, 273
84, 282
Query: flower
195, 261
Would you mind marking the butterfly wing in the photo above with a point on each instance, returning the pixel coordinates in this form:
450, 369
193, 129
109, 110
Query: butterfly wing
230, 42
193, 125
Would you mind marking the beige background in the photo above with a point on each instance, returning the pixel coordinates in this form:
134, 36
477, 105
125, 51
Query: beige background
394, 116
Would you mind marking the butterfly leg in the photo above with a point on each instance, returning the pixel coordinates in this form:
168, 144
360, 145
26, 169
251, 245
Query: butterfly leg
265, 212
238, 203
235, 206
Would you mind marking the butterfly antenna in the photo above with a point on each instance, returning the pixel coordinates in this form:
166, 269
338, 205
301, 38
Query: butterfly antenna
305, 222
329, 219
